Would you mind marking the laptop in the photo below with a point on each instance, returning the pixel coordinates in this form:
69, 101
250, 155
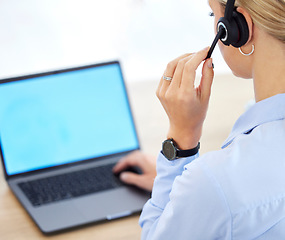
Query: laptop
61, 132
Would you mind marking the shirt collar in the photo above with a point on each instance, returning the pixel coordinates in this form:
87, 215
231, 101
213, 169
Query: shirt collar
267, 110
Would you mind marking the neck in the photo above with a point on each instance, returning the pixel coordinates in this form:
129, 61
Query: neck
268, 68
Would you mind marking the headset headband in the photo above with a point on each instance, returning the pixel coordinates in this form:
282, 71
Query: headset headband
229, 9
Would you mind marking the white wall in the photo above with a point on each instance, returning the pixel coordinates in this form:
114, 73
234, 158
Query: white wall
41, 35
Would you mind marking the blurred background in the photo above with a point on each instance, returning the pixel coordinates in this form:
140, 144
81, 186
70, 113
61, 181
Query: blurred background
144, 35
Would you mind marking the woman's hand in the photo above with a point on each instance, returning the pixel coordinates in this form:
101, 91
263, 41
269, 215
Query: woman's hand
139, 159
185, 105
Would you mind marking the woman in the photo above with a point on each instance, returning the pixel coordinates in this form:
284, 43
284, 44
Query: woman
239, 191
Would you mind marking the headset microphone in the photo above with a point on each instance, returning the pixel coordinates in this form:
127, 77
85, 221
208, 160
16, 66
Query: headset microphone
232, 29
219, 35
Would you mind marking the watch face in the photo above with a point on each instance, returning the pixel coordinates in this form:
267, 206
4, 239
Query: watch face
169, 150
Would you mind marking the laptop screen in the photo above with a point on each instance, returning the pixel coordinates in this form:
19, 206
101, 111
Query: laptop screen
66, 116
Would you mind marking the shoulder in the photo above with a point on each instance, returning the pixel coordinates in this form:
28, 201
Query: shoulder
249, 177
250, 169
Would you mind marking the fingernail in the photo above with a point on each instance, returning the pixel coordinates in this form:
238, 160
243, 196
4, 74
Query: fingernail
123, 176
210, 63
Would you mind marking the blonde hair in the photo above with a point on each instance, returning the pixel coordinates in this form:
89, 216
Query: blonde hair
268, 15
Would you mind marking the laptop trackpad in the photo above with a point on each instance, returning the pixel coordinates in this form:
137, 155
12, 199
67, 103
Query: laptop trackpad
110, 204
55, 217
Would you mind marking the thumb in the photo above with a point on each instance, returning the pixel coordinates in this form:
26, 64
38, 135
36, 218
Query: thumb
207, 77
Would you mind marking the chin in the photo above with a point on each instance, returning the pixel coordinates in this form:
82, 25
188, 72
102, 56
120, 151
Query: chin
238, 70
236, 74
244, 76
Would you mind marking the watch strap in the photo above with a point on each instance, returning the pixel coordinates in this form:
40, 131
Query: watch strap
188, 152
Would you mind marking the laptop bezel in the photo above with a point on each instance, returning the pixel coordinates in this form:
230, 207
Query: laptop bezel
41, 74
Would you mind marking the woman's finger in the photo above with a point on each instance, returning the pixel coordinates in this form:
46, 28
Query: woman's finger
130, 160
140, 181
177, 77
190, 68
207, 78
120, 166
171, 66
169, 72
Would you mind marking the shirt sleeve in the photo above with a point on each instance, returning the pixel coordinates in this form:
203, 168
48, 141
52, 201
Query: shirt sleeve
187, 203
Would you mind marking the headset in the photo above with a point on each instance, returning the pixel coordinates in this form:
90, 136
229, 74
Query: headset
232, 29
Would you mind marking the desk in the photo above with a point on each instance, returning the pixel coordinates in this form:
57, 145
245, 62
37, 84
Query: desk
229, 98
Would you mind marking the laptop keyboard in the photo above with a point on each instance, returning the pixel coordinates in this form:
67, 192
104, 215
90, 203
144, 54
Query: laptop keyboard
70, 185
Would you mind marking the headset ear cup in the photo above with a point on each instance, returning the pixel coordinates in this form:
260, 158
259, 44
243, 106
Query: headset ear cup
242, 29
231, 31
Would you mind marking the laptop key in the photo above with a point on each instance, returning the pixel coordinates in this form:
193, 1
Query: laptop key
69, 185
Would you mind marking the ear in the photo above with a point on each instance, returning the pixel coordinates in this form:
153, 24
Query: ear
249, 23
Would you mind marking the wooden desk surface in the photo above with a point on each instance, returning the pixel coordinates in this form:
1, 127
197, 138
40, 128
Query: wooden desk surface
229, 97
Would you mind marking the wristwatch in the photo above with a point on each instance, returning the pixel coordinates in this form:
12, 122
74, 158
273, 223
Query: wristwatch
172, 152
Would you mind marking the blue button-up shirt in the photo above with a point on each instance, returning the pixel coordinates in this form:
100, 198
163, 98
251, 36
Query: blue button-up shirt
237, 192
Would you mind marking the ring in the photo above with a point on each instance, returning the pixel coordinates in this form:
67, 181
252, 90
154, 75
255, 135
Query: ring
167, 78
